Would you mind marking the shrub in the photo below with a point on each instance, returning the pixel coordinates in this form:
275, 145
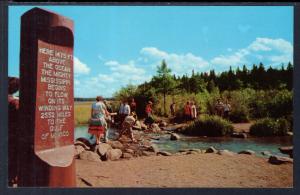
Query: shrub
213, 126
239, 115
270, 127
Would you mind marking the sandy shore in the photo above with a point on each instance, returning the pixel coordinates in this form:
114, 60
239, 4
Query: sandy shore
193, 170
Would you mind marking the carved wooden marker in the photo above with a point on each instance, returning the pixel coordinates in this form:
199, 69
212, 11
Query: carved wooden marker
46, 100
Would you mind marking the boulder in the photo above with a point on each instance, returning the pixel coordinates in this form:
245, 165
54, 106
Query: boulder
249, 152
155, 127
174, 136
163, 124
127, 155
153, 148
83, 142
146, 153
90, 156
164, 153
239, 135
113, 154
102, 148
183, 150
78, 150
192, 152
211, 150
278, 160
130, 151
266, 153
289, 133
195, 150
116, 145
287, 150
225, 152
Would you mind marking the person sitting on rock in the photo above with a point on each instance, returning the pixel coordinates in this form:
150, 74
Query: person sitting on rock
127, 125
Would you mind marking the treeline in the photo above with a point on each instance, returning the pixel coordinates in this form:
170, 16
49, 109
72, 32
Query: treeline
79, 99
252, 92
258, 77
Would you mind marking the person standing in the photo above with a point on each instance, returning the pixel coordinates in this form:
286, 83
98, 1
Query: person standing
173, 108
133, 105
227, 109
97, 123
148, 110
219, 108
187, 111
193, 111
126, 110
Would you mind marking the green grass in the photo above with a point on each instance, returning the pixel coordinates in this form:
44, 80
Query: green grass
82, 112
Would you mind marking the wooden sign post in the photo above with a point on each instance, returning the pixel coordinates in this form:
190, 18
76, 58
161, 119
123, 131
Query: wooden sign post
46, 100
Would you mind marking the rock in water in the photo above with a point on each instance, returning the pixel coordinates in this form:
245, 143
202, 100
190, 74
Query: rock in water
155, 127
225, 152
266, 153
278, 160
102, 148
163, 124
113, 154
249, 152
174, 136
90, 156
116, 145
287, 150
211, 150
239, 135
153, 148
164, 153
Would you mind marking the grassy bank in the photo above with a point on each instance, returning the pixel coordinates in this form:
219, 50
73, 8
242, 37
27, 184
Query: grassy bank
82, 111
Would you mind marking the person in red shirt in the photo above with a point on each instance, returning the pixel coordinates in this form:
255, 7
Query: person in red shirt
149, 120
187, 111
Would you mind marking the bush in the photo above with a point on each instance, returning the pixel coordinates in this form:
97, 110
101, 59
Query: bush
270, 127
213, 126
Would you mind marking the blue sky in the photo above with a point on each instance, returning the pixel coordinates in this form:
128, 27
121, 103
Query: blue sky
115, 46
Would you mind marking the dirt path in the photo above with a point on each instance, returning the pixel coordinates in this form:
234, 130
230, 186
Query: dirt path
194, 170
242, 127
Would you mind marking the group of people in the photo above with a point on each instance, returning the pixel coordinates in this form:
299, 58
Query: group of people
102, 116
222, 109
190, 111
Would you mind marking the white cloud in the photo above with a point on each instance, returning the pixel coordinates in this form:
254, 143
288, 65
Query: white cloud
179, 63
269, 51
80, 67
106, 78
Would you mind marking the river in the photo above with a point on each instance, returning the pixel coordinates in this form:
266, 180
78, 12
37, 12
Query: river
257, 144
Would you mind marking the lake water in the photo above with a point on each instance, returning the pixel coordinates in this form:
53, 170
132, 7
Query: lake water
164, 143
